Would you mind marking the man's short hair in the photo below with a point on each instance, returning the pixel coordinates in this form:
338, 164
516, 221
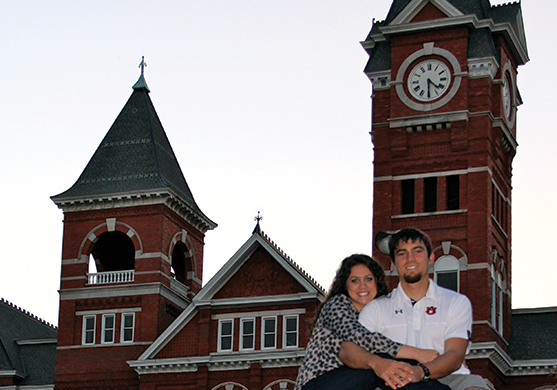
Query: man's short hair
405, 235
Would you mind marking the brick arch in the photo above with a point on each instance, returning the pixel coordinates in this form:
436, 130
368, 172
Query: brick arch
448, 249
230, 386
92, 237
280, 384
183, 237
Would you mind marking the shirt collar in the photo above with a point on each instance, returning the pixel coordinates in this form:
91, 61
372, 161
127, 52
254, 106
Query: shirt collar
402, 298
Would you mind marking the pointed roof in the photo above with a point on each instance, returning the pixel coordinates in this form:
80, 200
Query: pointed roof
207, 297
135, 159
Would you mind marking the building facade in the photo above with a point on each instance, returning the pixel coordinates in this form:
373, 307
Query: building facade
444, 106
132, 310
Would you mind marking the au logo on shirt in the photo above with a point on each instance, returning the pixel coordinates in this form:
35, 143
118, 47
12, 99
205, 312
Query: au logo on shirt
398, 311
431, 310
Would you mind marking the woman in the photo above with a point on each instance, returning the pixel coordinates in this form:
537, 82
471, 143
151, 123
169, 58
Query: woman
358, 281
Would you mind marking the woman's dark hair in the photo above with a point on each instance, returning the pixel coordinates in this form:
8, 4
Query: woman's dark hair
343, 272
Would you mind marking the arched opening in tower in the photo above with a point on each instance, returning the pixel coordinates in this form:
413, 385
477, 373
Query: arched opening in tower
114, 251
181, 262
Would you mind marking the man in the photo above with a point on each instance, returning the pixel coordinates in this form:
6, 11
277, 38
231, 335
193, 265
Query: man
420, 313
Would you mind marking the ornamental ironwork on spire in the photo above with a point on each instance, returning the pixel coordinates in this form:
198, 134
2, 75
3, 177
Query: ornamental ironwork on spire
141, 83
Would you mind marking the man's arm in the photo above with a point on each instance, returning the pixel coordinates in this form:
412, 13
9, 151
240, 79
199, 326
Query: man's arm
450, 360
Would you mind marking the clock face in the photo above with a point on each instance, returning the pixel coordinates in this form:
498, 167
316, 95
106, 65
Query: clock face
429, 80
506, 97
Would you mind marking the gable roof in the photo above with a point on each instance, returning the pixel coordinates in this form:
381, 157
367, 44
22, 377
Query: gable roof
27, 346
206, 296
135, 159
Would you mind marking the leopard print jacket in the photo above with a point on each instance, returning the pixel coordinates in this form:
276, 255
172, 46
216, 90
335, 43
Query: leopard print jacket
338, 322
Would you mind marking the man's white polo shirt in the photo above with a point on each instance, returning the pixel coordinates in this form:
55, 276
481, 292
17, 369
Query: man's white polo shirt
440, 315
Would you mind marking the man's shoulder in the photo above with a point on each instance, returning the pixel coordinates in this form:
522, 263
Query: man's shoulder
451, 296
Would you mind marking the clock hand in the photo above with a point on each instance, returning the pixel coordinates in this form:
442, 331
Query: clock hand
428, 84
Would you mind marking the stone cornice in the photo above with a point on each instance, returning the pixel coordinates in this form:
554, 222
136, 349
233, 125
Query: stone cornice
504, 28
250, 301
111, 291
221, 362
508, 366
147, 198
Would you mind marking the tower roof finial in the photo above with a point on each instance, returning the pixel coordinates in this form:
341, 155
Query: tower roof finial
143, 64
257, 227
141, 83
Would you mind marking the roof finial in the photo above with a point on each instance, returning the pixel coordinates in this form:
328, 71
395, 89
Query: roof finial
142, 65
257, 227
141, 83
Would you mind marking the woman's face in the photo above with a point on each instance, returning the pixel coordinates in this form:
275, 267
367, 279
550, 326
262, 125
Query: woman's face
361, 286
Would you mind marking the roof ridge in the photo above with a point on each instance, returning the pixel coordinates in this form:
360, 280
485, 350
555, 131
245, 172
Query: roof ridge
303, 272
28, 313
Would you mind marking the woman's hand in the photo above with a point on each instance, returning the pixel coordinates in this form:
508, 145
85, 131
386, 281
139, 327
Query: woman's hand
421, 355
395, 374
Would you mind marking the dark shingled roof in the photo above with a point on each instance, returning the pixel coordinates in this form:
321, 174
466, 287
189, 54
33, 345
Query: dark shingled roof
480, 44
27, 346
134, 157
533, 334
379, 58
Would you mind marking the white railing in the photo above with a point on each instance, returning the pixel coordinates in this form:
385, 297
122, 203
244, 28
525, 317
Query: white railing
111, 277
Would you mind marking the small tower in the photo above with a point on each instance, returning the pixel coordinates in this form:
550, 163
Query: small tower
132, 256
444, 107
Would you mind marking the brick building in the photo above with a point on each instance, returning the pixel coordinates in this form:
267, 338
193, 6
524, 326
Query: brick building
133, 312
445, 98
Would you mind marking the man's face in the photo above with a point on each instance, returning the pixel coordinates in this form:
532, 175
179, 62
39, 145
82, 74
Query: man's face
412, 261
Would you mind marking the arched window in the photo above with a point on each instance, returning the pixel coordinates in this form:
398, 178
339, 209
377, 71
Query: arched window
181, 262
114, 251
446, 272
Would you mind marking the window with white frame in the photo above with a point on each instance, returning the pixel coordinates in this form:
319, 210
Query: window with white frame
127, 331
88, 336
108, 328
247, 333
268, 332
290, 331
493, 303
226, 328
447, 272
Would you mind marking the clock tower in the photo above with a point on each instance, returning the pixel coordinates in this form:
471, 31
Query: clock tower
444, 103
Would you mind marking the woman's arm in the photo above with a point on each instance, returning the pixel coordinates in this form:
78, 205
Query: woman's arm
341, 318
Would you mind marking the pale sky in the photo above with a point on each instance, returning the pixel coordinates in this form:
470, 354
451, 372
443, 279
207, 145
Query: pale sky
267, 108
